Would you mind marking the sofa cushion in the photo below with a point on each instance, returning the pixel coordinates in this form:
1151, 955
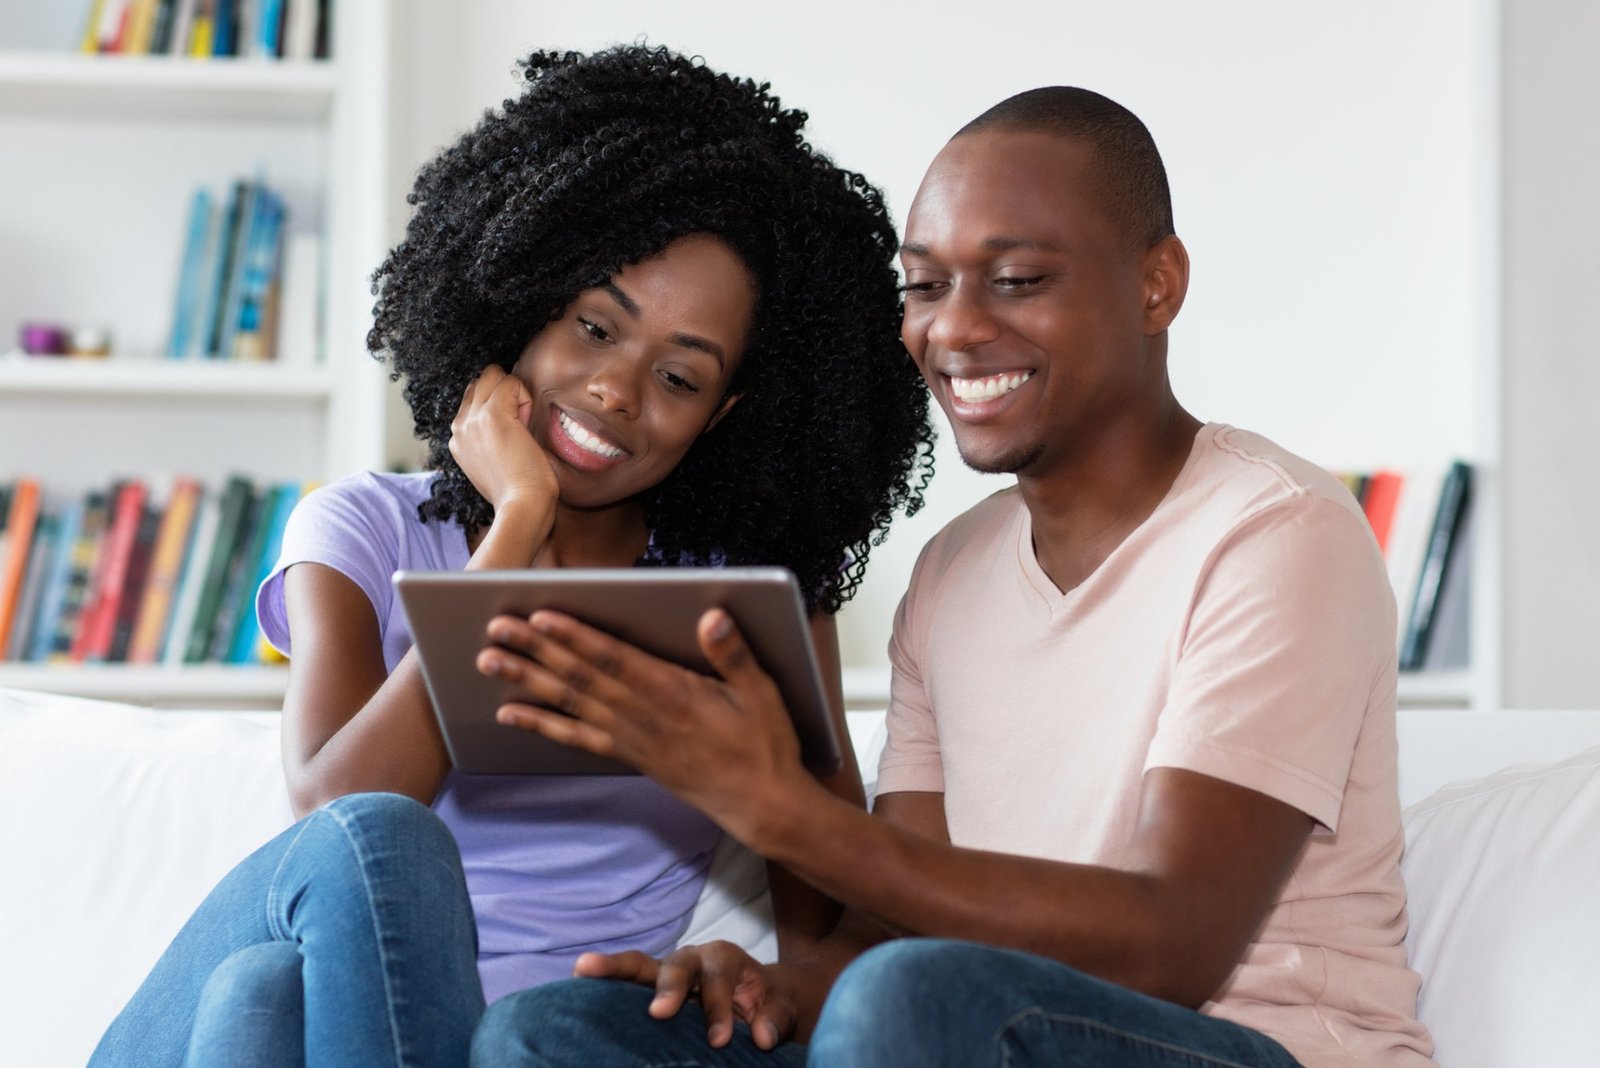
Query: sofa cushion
1504, 880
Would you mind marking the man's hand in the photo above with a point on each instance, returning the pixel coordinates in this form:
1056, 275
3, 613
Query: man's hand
724, 744
730, 983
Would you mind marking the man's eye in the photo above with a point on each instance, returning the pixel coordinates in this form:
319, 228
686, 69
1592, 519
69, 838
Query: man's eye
1016, 282
922, 289
593, 329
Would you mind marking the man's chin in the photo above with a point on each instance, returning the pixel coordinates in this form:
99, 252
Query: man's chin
1004, 463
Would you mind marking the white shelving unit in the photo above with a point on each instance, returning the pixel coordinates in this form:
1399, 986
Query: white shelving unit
105, 154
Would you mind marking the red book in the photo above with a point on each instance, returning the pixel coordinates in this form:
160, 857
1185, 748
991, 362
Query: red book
1379, 502
98, 625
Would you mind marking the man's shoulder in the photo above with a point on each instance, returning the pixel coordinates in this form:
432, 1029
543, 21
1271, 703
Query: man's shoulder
982, 524
1249, 472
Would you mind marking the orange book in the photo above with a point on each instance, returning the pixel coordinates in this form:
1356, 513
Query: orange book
19, 539
1379, 502
166, 564
98, 624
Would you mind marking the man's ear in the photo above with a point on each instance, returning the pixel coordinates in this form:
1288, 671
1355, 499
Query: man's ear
1165, 269
723, 409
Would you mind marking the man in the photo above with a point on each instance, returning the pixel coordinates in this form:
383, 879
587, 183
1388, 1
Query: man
1139, 790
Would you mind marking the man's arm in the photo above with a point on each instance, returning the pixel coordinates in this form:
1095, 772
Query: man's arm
1205, 861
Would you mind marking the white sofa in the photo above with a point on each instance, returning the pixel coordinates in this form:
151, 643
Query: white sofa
115, 821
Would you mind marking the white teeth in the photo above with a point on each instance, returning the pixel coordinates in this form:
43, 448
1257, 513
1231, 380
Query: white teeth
989, 387
589, 442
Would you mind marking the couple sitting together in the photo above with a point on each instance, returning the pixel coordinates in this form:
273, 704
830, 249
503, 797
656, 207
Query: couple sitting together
1137, 804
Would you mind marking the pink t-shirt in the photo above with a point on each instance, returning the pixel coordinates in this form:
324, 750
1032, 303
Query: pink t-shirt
1246, 631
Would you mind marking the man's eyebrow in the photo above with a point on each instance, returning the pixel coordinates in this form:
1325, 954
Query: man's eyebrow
621, 298
990, 244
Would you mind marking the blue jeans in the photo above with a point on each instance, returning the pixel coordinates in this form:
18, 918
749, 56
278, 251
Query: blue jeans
347, 940
917, 1002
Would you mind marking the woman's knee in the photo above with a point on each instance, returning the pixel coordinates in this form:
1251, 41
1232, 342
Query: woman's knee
259, 978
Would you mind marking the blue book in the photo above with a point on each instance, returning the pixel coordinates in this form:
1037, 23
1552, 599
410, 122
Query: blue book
260, 271
225, 237
191, 275
58, 571
250, 222
269, 27
248, 629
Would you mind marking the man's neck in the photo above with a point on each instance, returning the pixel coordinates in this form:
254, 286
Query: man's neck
1089, 504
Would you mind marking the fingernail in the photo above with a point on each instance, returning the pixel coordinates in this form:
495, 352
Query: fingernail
722, 626
491, 663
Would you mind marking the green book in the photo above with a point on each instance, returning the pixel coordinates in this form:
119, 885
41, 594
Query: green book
233, 519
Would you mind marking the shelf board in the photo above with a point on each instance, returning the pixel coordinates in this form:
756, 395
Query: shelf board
154, 377
71, 85
205, 685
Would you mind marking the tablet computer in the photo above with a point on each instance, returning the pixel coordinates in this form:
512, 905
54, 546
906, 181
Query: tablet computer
656, 609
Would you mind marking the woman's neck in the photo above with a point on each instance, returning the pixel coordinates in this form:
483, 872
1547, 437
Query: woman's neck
615, 536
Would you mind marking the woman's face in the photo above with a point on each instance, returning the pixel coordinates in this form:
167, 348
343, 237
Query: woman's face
636, 369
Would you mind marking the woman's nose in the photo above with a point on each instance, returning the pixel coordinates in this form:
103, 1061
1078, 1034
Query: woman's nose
614, 387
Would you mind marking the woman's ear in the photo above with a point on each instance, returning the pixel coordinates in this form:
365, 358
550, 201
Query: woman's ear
1166, 283
723, 409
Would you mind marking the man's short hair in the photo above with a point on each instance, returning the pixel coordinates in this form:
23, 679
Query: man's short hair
1129, 176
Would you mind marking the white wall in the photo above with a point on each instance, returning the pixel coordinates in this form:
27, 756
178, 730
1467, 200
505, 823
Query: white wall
1328, 162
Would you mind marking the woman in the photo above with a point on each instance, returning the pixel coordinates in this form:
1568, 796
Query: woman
640, 322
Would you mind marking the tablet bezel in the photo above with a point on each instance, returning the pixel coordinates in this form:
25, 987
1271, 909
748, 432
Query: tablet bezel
656, 609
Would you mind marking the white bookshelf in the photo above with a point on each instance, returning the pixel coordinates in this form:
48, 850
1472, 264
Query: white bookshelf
106, 152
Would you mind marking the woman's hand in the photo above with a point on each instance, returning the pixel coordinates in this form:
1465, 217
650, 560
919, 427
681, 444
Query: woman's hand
491, 441
731, 984
724, 744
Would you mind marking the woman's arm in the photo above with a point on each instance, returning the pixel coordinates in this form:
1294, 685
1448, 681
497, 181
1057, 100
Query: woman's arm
348, 725
801, 913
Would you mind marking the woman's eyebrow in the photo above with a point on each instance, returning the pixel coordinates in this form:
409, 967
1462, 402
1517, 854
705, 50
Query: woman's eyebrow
627, 302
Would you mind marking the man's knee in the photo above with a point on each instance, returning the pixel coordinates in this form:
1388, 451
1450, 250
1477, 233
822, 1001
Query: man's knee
575, 1021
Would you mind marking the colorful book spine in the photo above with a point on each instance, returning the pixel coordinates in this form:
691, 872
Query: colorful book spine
86, 554
22, 626
133, 583
236, 592
19, 526
184, 339
237, 499
58, 572
186, 601
166, 566
97, 628
247, 633
1455, 496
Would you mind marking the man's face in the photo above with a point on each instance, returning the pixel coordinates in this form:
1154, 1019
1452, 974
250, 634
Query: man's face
1025, 306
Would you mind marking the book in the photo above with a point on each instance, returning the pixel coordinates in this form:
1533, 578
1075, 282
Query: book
90, 41
161, 30
299, 38
296, 327
238, 497
258, 278
202, 28
39, 560
1450, 644
250, 223
227, 234
82, 563
1380, 497
237, 602
186, 598
1455, 496
98, 623
133, 582
166, 567
57, 574
247, 631
21, 517
199, 244
182, 27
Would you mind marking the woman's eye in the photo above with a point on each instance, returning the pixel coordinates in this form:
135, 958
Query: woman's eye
678, 383
593, 329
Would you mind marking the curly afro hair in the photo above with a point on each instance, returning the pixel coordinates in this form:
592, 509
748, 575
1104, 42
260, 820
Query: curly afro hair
604, 160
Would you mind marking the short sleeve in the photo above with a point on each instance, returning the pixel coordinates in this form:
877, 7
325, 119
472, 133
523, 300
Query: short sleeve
910, 760
343, 527
1290, 641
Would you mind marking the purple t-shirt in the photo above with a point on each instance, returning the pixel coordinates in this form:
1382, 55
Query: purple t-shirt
556, 865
